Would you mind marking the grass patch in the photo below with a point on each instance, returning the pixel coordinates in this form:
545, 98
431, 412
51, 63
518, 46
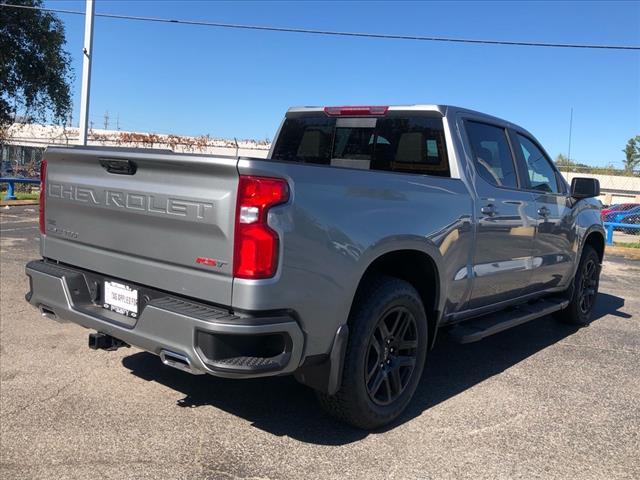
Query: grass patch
27, 196
627, 244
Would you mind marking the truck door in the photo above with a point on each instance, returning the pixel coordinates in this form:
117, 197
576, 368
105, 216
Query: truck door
505, 218
552, 252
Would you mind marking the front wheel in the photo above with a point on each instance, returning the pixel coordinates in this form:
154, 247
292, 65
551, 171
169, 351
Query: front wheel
585, 289
385, 355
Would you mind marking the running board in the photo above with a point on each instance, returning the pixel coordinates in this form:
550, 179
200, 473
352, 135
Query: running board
481, 327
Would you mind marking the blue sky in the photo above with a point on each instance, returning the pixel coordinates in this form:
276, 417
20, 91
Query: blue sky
169, 78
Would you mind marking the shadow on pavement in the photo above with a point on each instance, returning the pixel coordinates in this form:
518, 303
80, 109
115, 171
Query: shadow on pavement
281, 406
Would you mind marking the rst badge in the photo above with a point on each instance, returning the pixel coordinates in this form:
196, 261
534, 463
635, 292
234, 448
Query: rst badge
210, 262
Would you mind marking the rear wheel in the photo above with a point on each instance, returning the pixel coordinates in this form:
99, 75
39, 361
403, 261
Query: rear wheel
585, 289
385, 355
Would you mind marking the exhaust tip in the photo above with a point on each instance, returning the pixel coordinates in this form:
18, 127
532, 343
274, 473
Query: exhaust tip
177, 360
48, 313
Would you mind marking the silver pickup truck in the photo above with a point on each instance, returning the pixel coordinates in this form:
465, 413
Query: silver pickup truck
337, 259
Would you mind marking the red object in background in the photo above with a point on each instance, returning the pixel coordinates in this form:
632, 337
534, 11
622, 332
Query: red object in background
621, 207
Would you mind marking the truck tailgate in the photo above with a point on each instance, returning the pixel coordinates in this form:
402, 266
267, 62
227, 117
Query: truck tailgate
155, 218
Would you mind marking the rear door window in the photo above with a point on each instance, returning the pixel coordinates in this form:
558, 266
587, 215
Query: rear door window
396, 143
493, 157
412, 144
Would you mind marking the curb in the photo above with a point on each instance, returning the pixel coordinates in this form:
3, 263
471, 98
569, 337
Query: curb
14, 203
626, 252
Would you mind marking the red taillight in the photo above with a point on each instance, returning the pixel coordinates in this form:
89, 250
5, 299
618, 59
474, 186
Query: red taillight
256, 245
366, 111
43, 182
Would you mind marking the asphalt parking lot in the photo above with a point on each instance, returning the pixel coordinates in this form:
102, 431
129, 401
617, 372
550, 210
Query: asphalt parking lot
544, 400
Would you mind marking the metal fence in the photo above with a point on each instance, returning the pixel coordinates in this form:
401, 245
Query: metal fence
12, 182
622, 233
616, 186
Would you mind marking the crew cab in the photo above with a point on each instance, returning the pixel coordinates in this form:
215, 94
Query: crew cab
339, 258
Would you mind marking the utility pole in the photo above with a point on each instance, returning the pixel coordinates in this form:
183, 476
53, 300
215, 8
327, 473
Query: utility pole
86, 71
106, 120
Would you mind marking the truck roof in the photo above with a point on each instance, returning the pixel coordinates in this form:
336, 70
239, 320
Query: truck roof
444, 110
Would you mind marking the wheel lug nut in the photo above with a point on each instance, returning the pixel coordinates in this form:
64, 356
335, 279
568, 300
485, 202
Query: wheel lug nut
388, 362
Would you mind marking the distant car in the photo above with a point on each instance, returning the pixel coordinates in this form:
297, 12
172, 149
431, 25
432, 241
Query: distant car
621, 207
610, 217
633, 219
617, 217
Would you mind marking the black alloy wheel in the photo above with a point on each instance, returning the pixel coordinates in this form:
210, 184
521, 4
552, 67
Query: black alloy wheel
588, 286
391, 355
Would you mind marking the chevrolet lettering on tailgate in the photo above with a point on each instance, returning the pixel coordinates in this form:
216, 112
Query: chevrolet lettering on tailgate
133, 201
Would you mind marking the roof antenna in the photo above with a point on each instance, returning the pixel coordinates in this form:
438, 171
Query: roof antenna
570, 129
237, 148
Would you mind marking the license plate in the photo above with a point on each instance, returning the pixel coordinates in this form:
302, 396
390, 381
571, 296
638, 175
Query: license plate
121, 299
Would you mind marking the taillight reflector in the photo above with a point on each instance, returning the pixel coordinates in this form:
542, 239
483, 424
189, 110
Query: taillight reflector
43, 193
352, 111
256, 244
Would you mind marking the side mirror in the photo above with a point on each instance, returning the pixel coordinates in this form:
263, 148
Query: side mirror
582, 187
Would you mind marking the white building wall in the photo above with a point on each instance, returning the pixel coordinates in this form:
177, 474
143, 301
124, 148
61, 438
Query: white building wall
33, 135
614, 188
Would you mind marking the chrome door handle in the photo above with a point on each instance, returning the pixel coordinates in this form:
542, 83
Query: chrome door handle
544, 211
489, 210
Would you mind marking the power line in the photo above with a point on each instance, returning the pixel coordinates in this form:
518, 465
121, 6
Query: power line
384, 36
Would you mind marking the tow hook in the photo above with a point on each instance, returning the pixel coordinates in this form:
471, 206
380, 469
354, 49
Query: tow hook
102, 341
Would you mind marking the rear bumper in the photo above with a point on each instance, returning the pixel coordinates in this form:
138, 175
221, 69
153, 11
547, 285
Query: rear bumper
208, 339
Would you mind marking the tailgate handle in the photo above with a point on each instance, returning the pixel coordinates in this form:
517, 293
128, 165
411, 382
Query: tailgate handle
119, 167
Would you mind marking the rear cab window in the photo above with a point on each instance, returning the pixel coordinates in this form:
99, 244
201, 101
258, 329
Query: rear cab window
408, 142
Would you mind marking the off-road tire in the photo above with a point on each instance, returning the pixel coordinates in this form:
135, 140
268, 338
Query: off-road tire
586, 282
383, 299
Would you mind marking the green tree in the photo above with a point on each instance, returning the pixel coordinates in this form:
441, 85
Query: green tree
563, 161
35, 74
632, 154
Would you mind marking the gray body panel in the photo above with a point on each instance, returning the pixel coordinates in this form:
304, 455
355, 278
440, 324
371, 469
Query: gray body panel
337, 222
